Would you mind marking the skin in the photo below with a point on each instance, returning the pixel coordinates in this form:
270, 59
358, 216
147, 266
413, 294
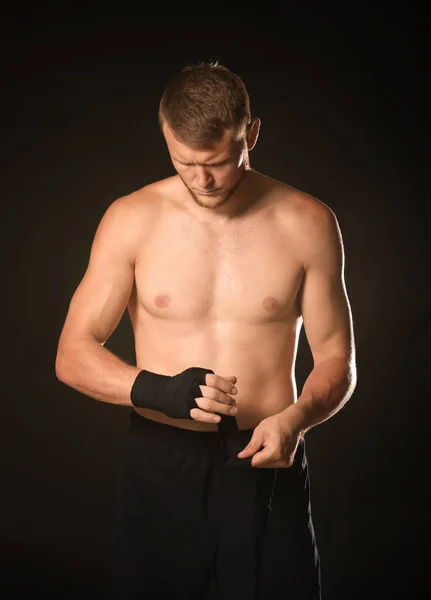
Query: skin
218, 266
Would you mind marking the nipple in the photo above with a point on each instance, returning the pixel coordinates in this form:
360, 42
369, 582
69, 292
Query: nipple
271, 303
162, 300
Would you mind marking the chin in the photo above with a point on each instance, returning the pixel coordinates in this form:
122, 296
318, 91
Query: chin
212, 201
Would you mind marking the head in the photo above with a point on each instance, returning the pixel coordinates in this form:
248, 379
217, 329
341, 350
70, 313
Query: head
205, 117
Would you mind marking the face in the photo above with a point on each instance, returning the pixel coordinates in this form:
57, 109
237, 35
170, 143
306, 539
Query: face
213, 172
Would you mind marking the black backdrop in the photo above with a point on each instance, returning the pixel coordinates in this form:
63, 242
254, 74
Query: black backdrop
343, 103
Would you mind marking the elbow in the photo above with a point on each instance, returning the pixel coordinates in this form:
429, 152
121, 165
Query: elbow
69, 359
341, 373
64, 363
351, 370
60, 368
352, 377
346, 384
348, 375
348, 378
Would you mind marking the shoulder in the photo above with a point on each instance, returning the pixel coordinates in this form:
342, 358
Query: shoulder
310, 225
300, 209
127, 219
141, 204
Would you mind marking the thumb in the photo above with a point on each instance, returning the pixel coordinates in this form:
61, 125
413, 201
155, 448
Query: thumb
254, 445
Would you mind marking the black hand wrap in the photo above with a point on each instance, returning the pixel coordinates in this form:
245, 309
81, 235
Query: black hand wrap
173, 396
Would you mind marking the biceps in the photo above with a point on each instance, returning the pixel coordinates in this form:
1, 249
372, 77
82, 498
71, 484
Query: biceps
326, 314
99, 301
101, 298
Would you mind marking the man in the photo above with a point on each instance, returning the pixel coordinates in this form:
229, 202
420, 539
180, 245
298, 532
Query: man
219, 266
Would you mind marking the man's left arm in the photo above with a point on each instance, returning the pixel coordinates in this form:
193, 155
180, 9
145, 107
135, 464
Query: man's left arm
328, 325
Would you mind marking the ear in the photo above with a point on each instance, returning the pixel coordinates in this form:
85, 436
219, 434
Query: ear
253, 130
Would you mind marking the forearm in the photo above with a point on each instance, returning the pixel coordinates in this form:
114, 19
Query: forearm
326, 390
91, 369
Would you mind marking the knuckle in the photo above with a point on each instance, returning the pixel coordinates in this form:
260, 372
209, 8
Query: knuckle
223, 385
209, 392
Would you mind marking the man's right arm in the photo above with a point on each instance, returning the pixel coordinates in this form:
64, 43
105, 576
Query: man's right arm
95, 310
96, 307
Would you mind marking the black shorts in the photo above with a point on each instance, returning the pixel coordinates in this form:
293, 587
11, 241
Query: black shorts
190, 527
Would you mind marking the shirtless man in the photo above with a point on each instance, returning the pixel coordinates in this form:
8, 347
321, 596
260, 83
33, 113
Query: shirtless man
219, 266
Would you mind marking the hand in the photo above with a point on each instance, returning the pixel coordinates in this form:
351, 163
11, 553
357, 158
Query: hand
215, 398
279, 440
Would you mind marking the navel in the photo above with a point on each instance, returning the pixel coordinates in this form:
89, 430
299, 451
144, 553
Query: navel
162, 300
271, 303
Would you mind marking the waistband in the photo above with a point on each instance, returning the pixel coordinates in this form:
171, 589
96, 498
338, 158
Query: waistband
185, 438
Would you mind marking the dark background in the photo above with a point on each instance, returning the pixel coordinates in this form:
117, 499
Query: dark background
344, 108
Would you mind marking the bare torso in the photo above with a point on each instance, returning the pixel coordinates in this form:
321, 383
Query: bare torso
220, 297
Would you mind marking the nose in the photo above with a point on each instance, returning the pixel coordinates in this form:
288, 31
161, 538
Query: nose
204, 179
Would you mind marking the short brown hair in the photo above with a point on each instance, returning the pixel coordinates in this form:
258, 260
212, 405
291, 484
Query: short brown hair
201, 101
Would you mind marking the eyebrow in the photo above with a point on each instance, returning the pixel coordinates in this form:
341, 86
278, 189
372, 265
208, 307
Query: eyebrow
203, 164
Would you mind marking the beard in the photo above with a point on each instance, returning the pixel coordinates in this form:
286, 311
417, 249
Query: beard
220, 197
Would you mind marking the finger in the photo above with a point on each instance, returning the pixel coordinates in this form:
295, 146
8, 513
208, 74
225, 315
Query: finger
203, 416
264, 459
215, 394
217, 407
254, 445
217, 382
231, 378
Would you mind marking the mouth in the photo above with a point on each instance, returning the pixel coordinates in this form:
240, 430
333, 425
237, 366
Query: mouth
208, 193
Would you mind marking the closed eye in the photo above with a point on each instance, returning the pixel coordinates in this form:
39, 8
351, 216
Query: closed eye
219, 164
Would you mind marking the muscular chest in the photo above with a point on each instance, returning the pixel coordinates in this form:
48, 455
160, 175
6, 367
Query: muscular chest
186, 270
